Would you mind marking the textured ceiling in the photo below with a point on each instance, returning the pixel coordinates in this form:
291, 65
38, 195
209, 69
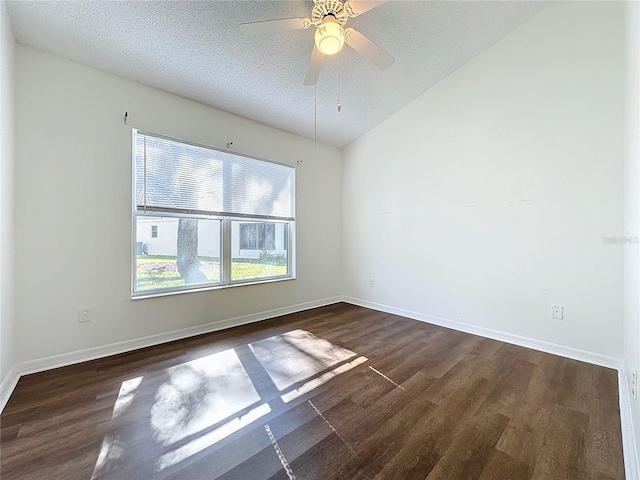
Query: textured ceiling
195, 49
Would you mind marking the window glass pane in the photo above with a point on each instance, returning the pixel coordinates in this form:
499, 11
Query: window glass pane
259, 250
183, 251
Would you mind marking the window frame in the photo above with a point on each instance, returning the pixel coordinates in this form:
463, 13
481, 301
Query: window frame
226, 259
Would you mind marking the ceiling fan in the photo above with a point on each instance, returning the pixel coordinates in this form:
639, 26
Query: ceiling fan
329, 17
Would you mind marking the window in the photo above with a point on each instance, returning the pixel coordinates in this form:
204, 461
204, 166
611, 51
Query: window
225, 219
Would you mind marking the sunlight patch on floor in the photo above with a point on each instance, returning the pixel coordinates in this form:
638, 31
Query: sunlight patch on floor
125, 396
207, 440
324, 378
192, 406
200, 394
297, 355
110, 450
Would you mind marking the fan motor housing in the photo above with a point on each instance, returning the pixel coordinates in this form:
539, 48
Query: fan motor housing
329, 7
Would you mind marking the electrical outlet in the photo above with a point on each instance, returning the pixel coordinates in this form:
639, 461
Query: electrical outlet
371, 282
83, 315
557, 311
634, 384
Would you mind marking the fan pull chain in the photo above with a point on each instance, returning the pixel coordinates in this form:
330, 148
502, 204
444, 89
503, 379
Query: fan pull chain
339, 75
315, 98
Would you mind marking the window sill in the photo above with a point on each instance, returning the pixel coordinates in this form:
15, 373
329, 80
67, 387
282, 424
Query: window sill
204, 288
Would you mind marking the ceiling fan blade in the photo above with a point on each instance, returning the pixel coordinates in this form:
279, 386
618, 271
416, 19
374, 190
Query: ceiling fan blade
315, 64
273, 26
357, 7
368, 49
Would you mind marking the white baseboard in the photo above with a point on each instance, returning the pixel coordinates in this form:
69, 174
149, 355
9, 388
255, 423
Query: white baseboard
55, 361
629, 446
548, 347
8, 384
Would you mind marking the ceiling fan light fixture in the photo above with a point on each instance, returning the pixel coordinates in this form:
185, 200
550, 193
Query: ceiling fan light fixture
329, 36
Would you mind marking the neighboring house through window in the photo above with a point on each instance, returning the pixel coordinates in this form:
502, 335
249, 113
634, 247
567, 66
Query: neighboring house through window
257, 236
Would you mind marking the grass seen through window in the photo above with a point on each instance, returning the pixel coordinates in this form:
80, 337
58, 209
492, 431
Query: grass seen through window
161, 271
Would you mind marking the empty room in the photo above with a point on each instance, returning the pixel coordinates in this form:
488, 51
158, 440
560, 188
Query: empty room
329, 239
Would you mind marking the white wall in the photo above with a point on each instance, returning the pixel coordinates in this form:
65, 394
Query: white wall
73, 193
632, 205
7, 46
485, 200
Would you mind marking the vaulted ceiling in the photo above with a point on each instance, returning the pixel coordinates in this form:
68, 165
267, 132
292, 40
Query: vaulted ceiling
195, 49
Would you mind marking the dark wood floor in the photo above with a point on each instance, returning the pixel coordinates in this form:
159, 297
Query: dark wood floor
338, 392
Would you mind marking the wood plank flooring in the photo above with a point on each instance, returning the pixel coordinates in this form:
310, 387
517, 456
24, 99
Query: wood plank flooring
339, 392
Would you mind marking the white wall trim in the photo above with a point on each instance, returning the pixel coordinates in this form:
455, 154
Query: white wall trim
64, 359
7, 386
629, 446
541, 345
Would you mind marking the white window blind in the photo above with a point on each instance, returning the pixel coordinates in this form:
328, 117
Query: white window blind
179, 177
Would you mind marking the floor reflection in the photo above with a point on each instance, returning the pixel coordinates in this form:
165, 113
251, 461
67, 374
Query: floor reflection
189, 410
